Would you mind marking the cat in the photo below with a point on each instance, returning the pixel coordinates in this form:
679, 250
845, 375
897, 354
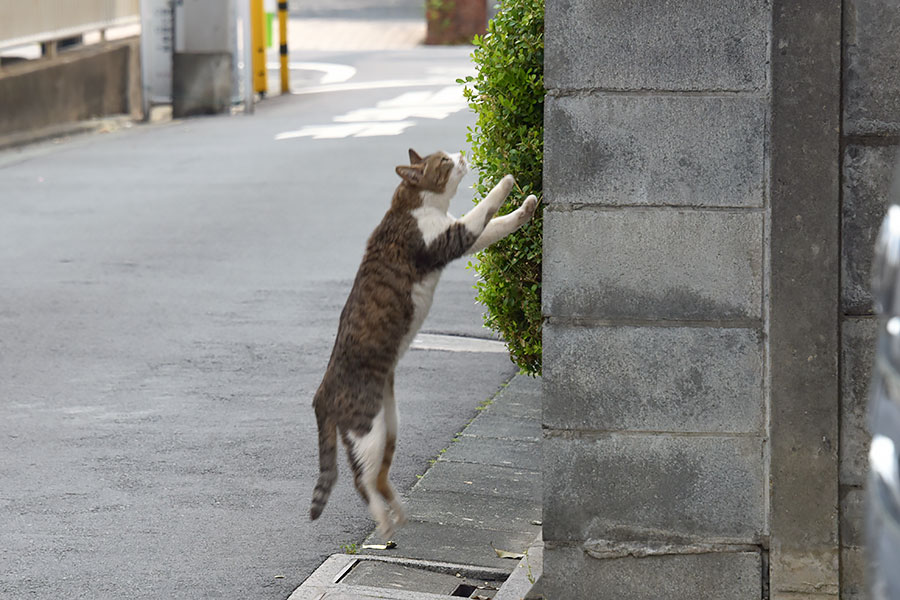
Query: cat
387, 304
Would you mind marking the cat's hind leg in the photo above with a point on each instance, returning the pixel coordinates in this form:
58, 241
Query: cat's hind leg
366, 456
384, 483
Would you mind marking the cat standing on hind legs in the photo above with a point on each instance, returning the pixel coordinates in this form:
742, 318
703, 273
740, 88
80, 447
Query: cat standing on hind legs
388, 302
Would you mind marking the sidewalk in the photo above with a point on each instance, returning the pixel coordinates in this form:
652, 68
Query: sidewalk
480, 498
344, 34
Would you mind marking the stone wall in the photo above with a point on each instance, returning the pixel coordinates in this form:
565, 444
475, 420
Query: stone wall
656, 179
715, 174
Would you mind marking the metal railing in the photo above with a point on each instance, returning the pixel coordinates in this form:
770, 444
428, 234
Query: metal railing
36, 21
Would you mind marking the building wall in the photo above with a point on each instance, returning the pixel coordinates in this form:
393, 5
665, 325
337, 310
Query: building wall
715, 172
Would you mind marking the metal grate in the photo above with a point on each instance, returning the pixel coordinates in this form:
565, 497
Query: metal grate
464, 590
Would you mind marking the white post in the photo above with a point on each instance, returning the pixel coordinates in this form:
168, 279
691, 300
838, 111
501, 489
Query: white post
156, 53
242, 56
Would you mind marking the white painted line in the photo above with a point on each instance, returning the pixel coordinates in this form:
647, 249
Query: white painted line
334, 73
388, 117
343, 130
424, 105
454, 343
392, 128
376, 85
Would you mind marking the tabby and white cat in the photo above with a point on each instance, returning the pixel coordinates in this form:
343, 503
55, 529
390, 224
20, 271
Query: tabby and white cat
390, 298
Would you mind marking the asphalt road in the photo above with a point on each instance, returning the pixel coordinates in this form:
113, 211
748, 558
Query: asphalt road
169, 295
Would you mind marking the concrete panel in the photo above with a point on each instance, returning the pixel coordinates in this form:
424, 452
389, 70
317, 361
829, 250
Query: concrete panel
804, 343
81, 84
676, 45
866, 184
653, 379
506, 428
871, 77
204, 26
570, 573
201, 83
475, 511
853, 503
520, 398
495, 451
660, 487
858, 353
450, 542
481, 479
653, 264
853, 574
656, 150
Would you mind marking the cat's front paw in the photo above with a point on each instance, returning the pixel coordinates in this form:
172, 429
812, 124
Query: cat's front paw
529, 206
506, 184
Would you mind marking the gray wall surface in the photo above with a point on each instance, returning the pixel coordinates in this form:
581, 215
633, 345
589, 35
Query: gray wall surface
654, 297
94, 81
715, 174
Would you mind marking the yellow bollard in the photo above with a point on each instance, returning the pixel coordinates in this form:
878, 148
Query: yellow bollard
283, 48
258, 46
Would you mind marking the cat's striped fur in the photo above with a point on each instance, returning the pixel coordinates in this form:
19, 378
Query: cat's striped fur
388, 302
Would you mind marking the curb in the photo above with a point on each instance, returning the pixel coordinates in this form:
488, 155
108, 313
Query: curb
327, 579
54, 132
325, 582
481, 495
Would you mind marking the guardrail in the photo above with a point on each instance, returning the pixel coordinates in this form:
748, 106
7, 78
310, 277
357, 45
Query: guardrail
36, 21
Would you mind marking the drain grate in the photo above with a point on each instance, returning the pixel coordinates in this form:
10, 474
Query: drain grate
456, 582
343, 576
464, 590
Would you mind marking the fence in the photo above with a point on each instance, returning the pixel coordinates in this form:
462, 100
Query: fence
38, 21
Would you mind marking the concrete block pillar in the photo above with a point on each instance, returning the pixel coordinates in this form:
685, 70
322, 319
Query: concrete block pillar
203, 65
655, 288
805, 295
715, 174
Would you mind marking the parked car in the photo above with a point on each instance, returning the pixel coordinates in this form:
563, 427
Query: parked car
883, 488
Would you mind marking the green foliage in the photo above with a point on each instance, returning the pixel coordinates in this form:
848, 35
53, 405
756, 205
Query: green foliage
439, 12
508, 97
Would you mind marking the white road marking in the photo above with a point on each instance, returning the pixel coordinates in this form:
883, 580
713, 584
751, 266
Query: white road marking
337, 131
425, 105
454, 343
388, 117
376, 85
334, 73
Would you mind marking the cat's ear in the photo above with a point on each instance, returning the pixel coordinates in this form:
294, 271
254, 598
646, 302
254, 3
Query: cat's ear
414, 158
411, 174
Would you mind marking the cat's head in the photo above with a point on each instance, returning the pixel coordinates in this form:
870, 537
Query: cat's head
437, 174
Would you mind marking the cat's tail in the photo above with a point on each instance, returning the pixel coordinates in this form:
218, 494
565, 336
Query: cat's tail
327, 465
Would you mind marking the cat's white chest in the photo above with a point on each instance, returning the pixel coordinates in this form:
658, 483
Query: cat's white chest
432, 222
422, 297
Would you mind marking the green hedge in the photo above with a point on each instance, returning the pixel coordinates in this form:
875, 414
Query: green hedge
508, 97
